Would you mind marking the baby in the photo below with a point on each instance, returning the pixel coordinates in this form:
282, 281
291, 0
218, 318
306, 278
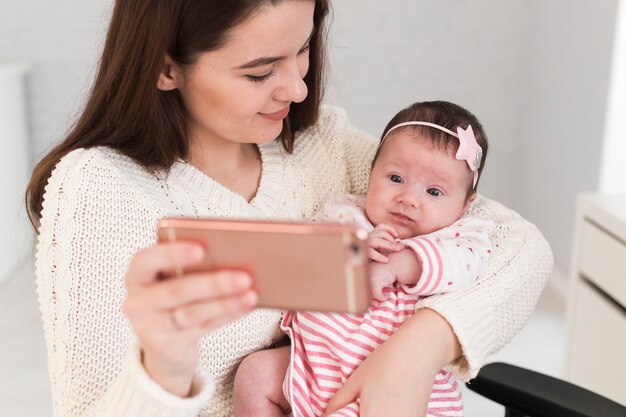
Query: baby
423, 179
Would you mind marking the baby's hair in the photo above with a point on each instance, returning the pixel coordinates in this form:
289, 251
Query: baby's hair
445, 114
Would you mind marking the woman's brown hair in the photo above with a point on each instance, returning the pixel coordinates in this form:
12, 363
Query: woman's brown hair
126, 112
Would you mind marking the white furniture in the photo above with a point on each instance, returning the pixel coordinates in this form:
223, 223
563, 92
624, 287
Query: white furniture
595, 355
15, 236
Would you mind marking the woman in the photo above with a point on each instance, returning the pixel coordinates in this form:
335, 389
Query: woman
183, 118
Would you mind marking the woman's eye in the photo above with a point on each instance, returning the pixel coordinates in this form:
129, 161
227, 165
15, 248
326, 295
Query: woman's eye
396, 178
305, 49
434, 192
261, 78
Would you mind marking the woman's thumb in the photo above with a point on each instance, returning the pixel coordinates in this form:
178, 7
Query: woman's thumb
348, 393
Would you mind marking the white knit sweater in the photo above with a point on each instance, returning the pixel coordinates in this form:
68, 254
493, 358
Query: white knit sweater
100, 208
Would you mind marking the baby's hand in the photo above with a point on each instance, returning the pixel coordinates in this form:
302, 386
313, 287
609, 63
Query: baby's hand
382, 241
381, 276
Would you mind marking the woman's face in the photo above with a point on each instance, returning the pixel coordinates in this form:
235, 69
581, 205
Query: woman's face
241, 92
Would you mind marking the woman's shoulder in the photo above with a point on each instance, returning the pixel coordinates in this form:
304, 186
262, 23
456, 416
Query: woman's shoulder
94, 161
334, 153
98, 168
330, 123
333, 128
333, 114
96, 185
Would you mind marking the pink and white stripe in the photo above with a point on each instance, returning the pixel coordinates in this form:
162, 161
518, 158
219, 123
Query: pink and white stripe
327, 347
432, 265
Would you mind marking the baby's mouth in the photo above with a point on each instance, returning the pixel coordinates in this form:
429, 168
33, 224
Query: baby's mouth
401, 218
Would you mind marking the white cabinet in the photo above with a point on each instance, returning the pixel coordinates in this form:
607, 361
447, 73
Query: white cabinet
596, 322
15, 236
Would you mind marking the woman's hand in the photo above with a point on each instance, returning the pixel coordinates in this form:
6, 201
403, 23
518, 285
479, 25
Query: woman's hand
170, 315
397, 378
382, 241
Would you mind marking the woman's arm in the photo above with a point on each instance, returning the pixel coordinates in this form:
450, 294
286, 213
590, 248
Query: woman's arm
486, 316
397, 378
91, 227
80, 288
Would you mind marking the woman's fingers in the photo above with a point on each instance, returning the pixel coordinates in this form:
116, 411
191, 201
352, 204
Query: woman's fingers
170, 311
147, 291
348, 393
151, 263
174, 292
202, 300
197, 302
214, 313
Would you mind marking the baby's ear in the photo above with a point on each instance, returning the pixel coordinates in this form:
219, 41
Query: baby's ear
469, 200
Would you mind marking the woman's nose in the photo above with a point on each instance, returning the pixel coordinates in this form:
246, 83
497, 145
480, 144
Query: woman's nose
294, 88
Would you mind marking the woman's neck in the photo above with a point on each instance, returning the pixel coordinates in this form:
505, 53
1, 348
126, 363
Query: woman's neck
236, 166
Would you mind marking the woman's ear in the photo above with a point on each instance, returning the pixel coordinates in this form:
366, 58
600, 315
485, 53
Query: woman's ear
170, 75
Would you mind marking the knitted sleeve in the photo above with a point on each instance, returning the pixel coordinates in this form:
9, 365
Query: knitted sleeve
451, 258
91, 226
486, 316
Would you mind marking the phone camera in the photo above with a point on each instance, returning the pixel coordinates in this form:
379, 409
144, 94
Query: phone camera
355, 248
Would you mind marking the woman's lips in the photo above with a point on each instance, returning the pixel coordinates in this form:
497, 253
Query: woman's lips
279, 115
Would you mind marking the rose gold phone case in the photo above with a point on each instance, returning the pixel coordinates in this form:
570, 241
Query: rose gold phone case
300, 266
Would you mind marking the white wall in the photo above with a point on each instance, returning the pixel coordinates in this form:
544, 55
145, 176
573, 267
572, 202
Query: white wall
15, 239
535, 73
61, 42
566, 93
612, 166
389, 54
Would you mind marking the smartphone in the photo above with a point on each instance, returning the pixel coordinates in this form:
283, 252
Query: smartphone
296, 266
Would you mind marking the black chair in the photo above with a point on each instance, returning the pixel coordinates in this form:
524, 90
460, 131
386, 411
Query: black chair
525, 393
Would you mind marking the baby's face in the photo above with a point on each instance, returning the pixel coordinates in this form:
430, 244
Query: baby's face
416, 187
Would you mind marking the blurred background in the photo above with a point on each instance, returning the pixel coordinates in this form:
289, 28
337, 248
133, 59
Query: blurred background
545, 77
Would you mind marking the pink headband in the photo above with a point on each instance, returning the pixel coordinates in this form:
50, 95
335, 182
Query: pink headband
469, 150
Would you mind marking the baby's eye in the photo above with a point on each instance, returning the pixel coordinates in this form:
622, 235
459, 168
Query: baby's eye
396, 178
434, 192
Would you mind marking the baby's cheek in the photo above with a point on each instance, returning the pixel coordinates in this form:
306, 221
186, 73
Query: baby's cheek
373, 215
